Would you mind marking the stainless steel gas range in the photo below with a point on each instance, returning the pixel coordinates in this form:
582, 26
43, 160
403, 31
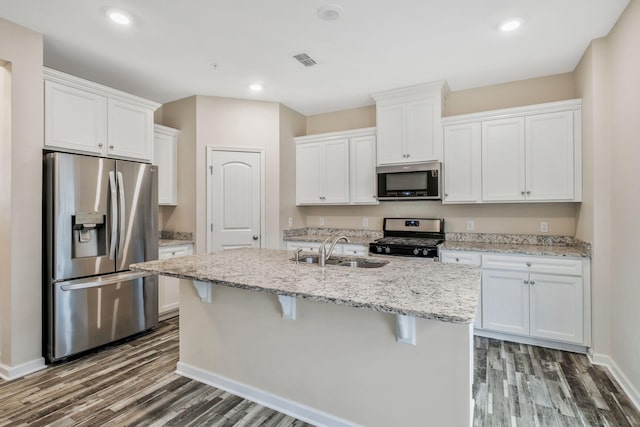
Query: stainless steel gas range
411, 237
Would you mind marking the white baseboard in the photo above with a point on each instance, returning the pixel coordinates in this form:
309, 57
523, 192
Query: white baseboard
618, 374
280, 404
9, 373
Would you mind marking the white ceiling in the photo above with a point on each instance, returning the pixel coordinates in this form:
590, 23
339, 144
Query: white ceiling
376, 45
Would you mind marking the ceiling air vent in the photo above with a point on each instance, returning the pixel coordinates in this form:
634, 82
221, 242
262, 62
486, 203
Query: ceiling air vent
305, 59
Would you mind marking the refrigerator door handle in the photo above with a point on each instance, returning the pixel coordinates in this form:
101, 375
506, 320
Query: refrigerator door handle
114, 215
74, 285
122, 213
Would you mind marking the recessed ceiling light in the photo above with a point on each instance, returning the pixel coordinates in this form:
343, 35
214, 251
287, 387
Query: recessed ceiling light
330, 12
256, 87
510, 24
119, 16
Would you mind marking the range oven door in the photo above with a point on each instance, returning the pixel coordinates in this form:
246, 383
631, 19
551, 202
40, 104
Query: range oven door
88, 313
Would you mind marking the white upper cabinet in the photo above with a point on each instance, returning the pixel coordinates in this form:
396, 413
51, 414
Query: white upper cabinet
550, 157
85, 117
408, 123
74, 119
336, 168
362, 165
165, 156
528, 154
462, 163
503, 175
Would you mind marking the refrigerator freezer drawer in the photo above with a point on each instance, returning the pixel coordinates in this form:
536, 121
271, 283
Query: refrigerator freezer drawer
89, 313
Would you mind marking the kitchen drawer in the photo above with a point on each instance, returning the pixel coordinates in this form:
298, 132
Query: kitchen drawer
306, 246
173, 251
533, 264
459, 257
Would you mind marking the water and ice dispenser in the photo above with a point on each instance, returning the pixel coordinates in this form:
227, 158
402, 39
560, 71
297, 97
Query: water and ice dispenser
89, 234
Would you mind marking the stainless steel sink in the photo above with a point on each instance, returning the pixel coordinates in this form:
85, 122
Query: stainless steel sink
362, 264
342, 262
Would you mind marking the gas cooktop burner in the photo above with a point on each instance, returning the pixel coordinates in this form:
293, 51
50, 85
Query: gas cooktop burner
414, 237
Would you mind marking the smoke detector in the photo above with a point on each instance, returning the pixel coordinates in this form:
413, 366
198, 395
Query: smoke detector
330, 12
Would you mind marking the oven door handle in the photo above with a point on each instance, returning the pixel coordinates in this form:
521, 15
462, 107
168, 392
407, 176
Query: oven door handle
74, 285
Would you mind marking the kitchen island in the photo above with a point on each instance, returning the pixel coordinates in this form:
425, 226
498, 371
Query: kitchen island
330, 345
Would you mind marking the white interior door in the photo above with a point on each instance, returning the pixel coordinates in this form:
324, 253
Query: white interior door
235, 199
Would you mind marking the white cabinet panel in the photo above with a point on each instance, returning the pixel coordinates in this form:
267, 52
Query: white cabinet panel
168, 287
74, 119
551, 292
505, 301
408, 122
336, 172
503, 173
85, 117
362, 162
130, 130
165, 156
529, 154
556, 307
336, 168
468, 258
462, 163
309, 173
391, 134
550, 156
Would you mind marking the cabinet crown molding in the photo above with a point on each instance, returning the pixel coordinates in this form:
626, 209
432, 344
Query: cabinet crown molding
165, 130
419, 91
505, 113
98, 89
352, 133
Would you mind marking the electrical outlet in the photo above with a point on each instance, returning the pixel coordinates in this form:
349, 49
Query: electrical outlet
290, 221
470, 225
321, 220
365, 222
544, 226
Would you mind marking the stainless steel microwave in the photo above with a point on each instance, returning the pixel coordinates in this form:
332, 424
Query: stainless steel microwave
411, 181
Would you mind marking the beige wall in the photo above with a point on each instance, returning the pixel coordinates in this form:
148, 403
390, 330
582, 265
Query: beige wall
594, 218
292, 124
623, 61
226, 122
355, 118
182, 115
342, 360
557, 87
21, 200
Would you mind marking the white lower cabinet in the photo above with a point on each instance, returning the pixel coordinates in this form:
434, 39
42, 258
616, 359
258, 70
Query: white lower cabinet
168, 287
529, 297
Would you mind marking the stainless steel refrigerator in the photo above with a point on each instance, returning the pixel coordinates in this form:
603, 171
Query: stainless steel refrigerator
100, 216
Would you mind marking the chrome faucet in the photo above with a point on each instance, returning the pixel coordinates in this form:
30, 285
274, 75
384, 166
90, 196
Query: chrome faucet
322, 251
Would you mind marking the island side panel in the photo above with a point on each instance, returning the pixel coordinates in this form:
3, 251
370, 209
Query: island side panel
340, 360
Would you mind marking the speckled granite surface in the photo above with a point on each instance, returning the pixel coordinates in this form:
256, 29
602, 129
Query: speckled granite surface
172, 238
430, 290
357, 237
525, 244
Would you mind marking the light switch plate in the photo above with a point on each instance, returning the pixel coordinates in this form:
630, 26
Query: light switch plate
321, 220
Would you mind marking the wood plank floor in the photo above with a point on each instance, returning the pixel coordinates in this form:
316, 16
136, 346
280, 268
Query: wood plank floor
135, 384
524, 385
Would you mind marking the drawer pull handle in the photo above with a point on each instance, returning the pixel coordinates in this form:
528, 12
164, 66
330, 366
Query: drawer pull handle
526, 282
528, 264
457, 259
532, 282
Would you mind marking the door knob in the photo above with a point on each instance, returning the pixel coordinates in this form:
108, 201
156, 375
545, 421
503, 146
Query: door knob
255, 237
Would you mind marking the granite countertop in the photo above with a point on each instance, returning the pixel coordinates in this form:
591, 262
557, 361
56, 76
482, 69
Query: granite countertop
430, 290
512, 248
